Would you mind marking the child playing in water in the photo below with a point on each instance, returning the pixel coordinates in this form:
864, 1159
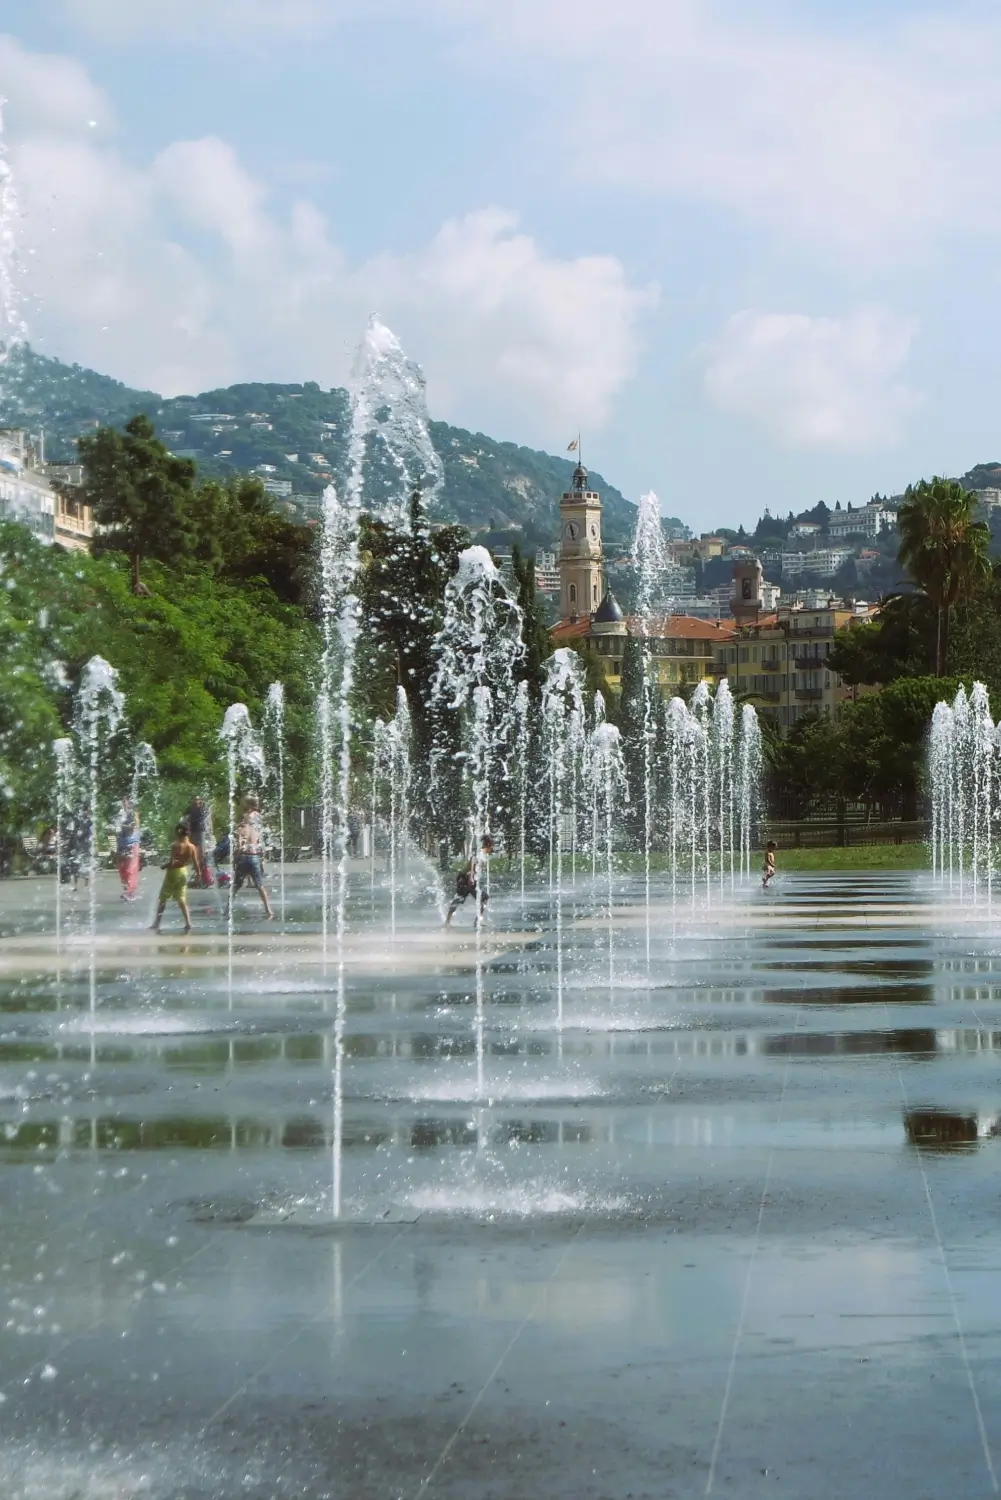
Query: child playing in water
175, 878
768, 873
465, 881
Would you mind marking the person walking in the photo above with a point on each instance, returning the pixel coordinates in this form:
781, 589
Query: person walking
465, 881
129, 850
248, 855
183, 855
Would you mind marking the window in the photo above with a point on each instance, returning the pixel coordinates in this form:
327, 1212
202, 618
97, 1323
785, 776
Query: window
594, 592
573, 593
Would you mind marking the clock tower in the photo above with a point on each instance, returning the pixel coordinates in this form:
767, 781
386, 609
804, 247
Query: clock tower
582, 581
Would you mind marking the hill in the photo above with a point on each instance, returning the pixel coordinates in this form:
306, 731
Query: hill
295, 437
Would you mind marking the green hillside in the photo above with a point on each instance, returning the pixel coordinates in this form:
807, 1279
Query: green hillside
296, 435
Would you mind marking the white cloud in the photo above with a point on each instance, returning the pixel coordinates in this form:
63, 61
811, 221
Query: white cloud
501, 319
45, 91
857, 136
815, 382
180, 275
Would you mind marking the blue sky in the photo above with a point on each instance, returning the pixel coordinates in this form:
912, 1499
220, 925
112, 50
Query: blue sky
751, 250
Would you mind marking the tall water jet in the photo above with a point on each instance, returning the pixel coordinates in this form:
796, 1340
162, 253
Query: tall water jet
964, 774
749, 762
100, 708
589, 780
99, 711
389, 453
562, 722
723, 747
66, 798
274, 733
244, 758
606, 769
650, 561
391, 768
522, 751
473, 691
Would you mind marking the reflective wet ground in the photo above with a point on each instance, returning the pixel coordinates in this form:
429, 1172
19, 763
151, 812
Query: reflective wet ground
733, 1230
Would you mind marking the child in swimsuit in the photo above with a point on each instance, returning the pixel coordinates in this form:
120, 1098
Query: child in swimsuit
183, 853
768, 873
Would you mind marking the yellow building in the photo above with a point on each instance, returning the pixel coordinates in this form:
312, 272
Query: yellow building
778, 662
685, 650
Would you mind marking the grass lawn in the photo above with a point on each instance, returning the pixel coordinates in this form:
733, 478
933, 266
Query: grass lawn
860, 857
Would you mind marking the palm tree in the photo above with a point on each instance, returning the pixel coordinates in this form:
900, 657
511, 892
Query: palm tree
944, 549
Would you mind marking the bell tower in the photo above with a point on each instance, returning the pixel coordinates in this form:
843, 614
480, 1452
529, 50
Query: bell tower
582, 579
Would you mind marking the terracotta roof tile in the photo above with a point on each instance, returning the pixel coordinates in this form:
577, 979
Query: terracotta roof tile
684, 627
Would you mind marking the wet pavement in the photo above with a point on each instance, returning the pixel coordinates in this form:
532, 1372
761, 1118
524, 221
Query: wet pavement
731, 1230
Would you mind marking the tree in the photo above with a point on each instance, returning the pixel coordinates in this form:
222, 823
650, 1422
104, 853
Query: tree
140, 495
237, 532
975, 637
534, 631
899, 642
944, 549
401, 584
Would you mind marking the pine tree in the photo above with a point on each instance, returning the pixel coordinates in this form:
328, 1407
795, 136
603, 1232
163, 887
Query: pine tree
140, 493
534, 631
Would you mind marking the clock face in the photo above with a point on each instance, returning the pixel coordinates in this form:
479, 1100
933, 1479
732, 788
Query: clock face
573, 531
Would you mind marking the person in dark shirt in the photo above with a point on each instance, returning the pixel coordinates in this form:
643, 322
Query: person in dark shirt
465, 881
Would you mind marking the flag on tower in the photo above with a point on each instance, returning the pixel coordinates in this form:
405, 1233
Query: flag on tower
572, 447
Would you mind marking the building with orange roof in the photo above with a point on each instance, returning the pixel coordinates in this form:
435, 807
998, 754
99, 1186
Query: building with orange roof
779, 661
684, 649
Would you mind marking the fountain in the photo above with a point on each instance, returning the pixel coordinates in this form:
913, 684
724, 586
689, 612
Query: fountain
477, 650
650, 561
964, 748
66, 771
606, 771
274, 747
389, 452
100, 708
391, 770
244, 759
562, 710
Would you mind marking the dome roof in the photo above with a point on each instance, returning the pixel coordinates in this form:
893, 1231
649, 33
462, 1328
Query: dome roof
608, 611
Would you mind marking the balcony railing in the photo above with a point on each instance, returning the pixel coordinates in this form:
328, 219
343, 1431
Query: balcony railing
814, 693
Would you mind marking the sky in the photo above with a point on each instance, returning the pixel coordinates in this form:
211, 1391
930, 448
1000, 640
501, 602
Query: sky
750, 250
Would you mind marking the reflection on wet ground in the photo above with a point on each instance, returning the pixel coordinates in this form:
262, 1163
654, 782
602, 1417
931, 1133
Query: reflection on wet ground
731, 1229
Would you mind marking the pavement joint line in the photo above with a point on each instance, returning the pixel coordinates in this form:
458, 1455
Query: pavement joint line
283, 1348
89, 1328
742, 1318
442, 1458
947, 1277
